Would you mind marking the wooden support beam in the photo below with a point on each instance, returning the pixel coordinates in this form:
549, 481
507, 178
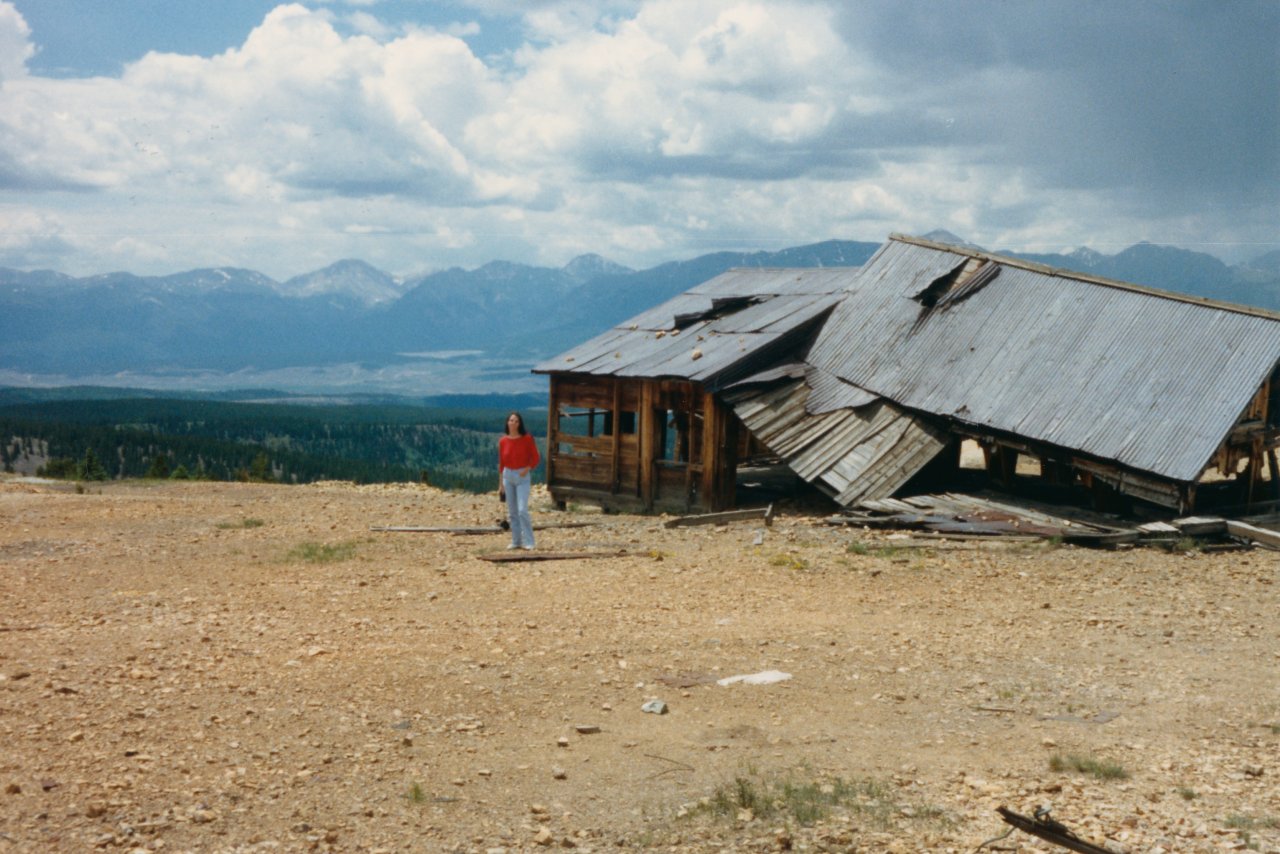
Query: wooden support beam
553, 428
712, 452
1271, 472
615, 474
648, 427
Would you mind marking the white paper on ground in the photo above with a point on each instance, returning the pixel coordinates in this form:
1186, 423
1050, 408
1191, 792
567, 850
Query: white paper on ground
764, 677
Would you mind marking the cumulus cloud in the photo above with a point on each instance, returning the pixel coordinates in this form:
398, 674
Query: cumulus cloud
651, 129
15, 43
31, 240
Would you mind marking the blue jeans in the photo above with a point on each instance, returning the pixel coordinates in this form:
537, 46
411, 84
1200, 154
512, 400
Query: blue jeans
517, 488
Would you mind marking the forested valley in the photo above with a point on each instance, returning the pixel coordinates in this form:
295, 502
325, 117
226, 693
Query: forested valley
84, 440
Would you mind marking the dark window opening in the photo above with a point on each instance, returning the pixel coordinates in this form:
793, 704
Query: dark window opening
720, 307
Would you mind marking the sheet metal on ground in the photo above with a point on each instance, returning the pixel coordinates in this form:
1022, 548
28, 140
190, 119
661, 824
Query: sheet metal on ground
850, 454
974, 515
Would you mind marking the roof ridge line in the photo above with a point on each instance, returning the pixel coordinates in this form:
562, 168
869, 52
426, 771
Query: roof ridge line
835, 267
1064, 273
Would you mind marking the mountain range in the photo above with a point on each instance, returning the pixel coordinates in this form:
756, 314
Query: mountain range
207, 321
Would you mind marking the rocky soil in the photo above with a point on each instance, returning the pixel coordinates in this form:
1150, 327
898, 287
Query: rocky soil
235, 667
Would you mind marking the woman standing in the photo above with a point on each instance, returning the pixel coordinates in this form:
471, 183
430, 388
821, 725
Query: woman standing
517, 458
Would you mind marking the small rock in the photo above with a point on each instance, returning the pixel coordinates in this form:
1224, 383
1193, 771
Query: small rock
586, 729
559, 773
654, 707
562, 742
544, 836
13, 789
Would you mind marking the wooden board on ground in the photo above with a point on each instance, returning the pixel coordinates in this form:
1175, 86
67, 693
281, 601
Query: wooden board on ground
1253, 533
765, 513
1194, 526
479, 529
519, 555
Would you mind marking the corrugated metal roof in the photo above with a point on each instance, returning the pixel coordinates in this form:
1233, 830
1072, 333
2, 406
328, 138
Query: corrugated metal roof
1147, 379
743, 312
851, 454
829, 392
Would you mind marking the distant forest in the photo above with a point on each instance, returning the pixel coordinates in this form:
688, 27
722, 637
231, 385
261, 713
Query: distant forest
448, 447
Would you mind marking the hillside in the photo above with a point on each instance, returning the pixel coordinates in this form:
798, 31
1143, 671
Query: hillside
246, 667
284, 441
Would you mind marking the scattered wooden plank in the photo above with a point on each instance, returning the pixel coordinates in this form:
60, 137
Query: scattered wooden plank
979, 539
520, 555
1101, 539
720, 518
1253, 533
1194, 526
480, 529
420, 529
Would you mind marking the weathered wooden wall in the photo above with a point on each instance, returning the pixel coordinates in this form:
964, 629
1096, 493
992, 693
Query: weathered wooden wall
624, 443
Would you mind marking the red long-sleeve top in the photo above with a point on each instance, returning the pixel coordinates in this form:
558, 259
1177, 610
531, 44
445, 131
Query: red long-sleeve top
517, 452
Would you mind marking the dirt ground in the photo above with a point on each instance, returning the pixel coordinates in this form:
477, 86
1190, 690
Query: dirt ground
236, 667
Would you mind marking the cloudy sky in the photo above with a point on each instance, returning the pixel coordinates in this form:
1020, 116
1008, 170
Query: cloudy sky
160, 135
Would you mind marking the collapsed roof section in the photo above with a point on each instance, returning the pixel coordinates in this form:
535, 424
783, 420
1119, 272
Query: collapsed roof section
712, 333
866, 448
1150, 380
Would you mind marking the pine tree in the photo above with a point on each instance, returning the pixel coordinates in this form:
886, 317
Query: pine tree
90, 467
260, 469
159, 467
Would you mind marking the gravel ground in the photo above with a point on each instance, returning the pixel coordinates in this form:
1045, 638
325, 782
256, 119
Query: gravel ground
237, 667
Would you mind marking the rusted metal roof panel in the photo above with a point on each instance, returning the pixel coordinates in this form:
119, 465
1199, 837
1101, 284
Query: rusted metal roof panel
849, 454
1149, 380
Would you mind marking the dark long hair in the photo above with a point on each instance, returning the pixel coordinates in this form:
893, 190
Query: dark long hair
519, 418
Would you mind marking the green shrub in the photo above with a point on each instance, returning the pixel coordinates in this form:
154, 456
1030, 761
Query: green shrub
312, 552
1099, 768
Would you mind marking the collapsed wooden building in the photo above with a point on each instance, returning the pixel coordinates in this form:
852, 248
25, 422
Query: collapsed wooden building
860, 378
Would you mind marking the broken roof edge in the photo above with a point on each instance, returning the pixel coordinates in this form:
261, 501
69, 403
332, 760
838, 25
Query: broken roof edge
1028, 444
1064, 273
